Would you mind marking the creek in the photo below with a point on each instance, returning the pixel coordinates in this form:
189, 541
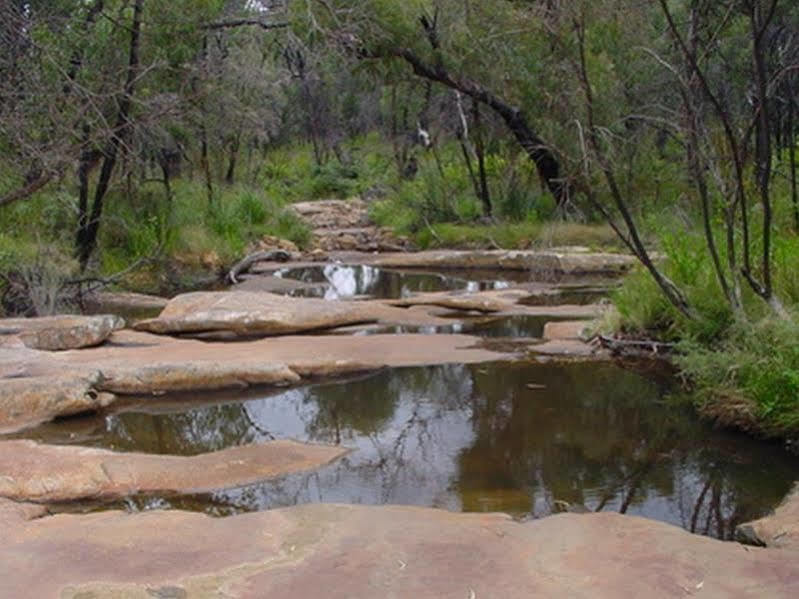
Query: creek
523, 438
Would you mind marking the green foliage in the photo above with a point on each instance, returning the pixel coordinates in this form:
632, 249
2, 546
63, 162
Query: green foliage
744, 367
756, 364
189, 228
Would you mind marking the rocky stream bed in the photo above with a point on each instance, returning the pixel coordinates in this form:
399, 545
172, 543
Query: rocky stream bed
354, 427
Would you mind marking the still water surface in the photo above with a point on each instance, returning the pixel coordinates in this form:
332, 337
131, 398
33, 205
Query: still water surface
512, 437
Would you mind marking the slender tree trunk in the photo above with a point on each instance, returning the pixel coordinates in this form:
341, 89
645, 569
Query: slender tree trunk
792, 161
230, 176
463, 138
759, 23
87, 235
205, 164
479, 148
696, 164
632, 239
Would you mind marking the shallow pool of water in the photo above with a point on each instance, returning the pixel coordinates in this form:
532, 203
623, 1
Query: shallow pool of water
512, 437
338, 281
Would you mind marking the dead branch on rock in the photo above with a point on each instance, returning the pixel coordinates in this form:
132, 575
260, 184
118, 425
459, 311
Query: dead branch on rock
247, 263
637, 347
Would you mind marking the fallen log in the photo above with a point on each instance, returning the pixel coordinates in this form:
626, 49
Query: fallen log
247, 263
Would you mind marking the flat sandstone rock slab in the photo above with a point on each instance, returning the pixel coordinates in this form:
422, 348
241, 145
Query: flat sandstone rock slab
39, 473
38, 386
572, 263
340, 552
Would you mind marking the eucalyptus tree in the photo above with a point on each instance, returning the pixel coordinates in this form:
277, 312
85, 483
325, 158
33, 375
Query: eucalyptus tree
99, 87
485, 51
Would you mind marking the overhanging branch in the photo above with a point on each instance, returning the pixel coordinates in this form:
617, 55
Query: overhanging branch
233, 23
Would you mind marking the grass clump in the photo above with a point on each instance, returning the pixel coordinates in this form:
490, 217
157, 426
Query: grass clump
750, 380
743, 367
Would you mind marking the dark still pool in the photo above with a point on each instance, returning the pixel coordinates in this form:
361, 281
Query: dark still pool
522, 438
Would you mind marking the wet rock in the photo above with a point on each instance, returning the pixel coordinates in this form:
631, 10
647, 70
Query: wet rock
338, 551
781, 529
29, 400
39, 473
248, 313
58, 333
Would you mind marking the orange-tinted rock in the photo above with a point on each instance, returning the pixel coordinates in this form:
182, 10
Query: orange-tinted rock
30, 471
340, 552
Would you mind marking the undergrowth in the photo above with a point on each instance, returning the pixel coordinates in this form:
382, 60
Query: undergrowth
743, 367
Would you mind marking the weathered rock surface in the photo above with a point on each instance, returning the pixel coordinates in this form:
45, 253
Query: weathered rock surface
249, 313
30, 400
781, 529
571, 263
190, 375
341, 552
39, 473
36, 386
57, 333
566, 329
13, 512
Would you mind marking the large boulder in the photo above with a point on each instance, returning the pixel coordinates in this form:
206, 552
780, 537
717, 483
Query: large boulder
57, 333
30, 471
251, 313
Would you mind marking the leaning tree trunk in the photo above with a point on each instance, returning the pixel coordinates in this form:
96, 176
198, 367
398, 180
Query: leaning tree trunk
87, 234
537, 149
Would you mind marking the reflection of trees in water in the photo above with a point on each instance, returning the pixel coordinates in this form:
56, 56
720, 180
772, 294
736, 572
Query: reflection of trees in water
596, 436
507, 437
402, 425
210, 428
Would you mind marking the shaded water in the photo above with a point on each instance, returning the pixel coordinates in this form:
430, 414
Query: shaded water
511, 437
